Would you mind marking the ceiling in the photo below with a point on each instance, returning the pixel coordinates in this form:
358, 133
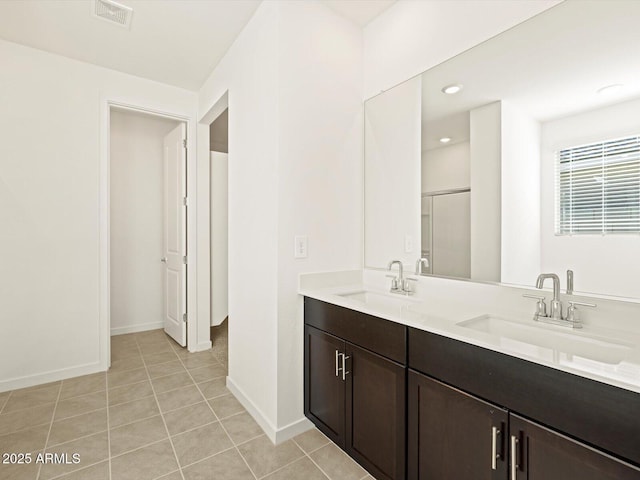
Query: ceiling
550, 66
177, 42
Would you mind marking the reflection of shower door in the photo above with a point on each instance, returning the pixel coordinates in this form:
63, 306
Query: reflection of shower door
451, 234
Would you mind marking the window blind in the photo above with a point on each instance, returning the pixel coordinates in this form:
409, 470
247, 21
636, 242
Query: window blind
598, 188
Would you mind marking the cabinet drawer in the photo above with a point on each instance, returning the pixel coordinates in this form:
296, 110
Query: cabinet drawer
386, 338
601, 415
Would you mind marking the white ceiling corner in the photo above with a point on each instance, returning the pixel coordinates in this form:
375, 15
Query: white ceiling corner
361, 12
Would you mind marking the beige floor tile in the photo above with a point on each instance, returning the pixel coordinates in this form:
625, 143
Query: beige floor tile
163, 357
225, 406
132, 411
129, 393
145, 463
30, 397
199, 359
195, 445
214, 388
164, 369
264, 457
171, 382
241, 427
63, 431
118, 379
24, 441
204, 374
99, 471
182, 397
311, 440
79, 405
19, 472
151, 336
75, 387
336, 464
302, 469
120, 352
187, 418
91, 450
136, 435
148, 349
224, 466
131, 363
30, 417
172, 476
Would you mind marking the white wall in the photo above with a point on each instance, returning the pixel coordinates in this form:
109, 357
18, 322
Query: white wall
136, 173
294, 78
219, 184
393, 125
413, 35
446, 168
49, 209
520, 241
605, 264
485, 170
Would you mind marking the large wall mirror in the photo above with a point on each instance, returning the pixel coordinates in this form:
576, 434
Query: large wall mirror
516, 157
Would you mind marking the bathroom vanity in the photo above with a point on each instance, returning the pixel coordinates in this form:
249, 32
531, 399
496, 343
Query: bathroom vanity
407, 395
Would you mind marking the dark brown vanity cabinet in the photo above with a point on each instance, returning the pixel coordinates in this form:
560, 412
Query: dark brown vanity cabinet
455, 435
353, 394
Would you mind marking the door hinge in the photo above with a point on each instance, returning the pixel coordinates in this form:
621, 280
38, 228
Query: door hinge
184, 201
184, 259
184, 317
184, 142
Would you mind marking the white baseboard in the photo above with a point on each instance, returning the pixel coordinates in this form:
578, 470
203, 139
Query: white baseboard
276, 435
141, 327
48, 377
201, 347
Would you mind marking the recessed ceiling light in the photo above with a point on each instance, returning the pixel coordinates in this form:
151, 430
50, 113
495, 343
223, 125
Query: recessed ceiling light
609, 89
445, 140
451, 89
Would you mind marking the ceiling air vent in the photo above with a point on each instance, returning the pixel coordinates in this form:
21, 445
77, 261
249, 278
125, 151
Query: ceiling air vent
113, 12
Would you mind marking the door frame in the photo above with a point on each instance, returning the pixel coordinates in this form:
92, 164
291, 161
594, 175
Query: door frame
104, 293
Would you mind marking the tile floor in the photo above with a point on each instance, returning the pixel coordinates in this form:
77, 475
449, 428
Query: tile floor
159, 413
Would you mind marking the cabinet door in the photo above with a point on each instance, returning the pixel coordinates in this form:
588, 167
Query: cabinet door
541, 454
324, 389
376, 403
452, 435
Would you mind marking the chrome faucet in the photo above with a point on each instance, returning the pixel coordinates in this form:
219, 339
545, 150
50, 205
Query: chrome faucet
555, 311
397, 282
422, 262
400, 284
555, 317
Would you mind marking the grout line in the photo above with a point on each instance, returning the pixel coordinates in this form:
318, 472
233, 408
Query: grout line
53, 416
210, 456
173, 448
221, 425
284, 466
76, 438
6, 401
79, 470
308, 455
106, 384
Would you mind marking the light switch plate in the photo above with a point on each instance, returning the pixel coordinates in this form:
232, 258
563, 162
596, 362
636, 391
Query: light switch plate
300, 246
408, 244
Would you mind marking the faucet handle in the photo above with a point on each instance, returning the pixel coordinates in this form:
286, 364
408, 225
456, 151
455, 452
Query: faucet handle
406, 287
394, 282
573, 314
541, 307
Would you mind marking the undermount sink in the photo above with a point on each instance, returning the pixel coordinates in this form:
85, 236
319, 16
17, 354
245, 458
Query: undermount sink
378, 300
549, 343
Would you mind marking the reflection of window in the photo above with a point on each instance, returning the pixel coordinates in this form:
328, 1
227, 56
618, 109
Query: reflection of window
598, 188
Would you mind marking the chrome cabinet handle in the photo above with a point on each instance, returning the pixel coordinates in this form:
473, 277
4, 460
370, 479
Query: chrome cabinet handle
163, 259
514, 457
494, 447
337, 367
344, 366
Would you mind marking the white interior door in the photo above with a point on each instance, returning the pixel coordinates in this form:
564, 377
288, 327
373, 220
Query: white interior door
175, 235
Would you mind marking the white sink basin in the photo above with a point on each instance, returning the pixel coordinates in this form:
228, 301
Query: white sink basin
379, 300
568, 347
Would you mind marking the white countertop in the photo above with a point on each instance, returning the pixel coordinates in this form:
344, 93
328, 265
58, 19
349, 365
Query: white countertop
581, 352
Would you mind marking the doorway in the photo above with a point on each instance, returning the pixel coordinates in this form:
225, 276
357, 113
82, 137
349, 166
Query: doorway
219, 217
147, 223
